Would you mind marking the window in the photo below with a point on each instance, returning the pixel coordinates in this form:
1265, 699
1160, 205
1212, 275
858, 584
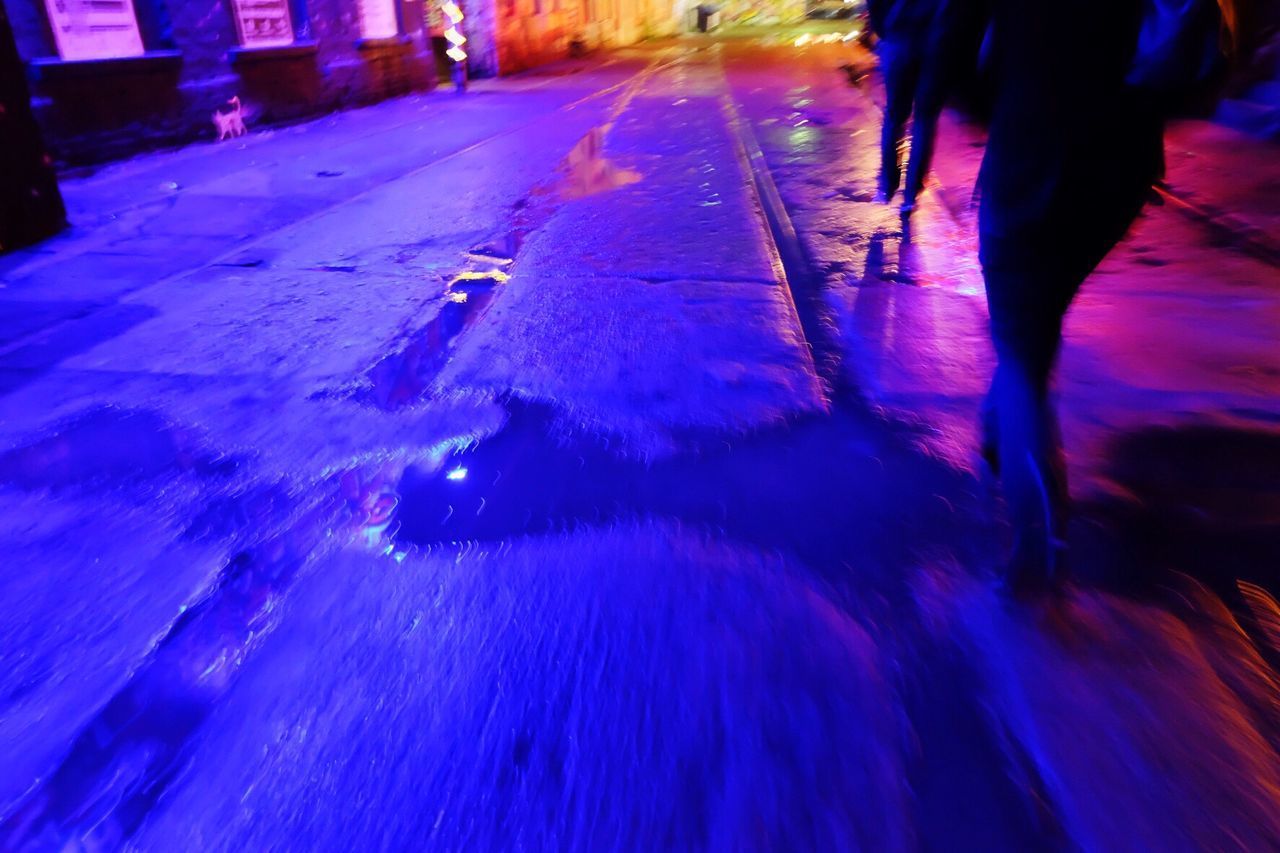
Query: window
94, 29
378, 19
263, 23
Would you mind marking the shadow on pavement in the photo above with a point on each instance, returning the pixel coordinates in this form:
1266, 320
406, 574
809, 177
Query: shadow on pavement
1200, 501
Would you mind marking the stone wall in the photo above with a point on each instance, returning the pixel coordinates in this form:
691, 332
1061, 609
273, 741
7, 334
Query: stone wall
97, 110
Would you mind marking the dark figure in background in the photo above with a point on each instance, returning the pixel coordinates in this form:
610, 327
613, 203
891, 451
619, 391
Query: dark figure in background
1071, 156
919, 42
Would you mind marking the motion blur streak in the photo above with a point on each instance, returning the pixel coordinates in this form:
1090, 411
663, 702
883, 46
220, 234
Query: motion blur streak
516, 471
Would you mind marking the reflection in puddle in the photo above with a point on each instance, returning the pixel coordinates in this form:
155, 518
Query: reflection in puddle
114, 446
134, 748
588, 171
782, 488
401, 378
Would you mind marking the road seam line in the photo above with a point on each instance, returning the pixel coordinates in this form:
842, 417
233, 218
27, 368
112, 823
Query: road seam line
782, 241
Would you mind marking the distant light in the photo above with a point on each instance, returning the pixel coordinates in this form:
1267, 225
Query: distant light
481, 275
456, 474
453, 33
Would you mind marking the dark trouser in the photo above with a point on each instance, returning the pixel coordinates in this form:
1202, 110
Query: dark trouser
909, 88
929, 100
1027, 307
900, 65
1027, 304
1031, 282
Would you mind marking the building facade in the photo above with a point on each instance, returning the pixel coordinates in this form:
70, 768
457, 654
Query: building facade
512, 35
111, 77
31, 206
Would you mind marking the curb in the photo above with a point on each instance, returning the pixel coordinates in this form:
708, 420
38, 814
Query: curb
791, 260
1231, 228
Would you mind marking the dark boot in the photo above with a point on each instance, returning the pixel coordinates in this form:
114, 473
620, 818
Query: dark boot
1038, 511
989, 426
1033, 476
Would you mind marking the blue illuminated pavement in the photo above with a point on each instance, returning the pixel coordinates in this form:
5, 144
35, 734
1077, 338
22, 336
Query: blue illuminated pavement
587, 463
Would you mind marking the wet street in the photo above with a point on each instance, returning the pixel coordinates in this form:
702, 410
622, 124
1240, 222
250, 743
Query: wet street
587, 463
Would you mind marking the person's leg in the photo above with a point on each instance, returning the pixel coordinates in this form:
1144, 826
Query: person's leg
1027, 303
924, 132
899, 85
989, 428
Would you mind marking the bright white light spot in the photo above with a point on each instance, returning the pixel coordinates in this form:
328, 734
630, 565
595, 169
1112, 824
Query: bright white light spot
496, 276
456, 474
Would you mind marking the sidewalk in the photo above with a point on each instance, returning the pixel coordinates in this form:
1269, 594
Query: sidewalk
184, 376
1174, 328
217, 380
1218, 176
1169, 381
1207, 177
1169, 387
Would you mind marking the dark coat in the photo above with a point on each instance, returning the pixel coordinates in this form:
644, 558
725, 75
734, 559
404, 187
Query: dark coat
1072, 151
902, 20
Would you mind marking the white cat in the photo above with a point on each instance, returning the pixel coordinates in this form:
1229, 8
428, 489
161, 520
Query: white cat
230, 122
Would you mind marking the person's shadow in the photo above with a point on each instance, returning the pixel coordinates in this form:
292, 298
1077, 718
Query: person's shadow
892, 258
1201, 501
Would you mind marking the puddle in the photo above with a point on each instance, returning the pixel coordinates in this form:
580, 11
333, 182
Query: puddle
402, 378
790, 487
588, 172
108, 445
863, 512
857, 509
125, 759
252, 508
492, 254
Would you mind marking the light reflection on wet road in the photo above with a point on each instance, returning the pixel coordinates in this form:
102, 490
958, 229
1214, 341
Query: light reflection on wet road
706, 566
